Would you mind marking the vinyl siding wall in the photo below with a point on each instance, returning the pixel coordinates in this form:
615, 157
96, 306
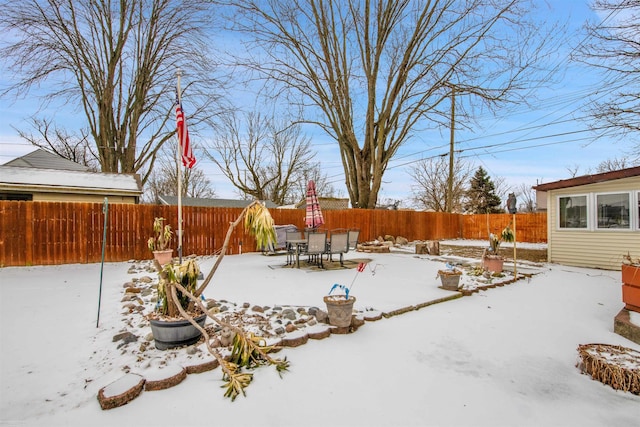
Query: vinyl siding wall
592, 247
86, 198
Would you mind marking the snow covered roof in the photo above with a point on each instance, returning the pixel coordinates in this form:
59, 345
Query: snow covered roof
68, 181
43, 159
589, 179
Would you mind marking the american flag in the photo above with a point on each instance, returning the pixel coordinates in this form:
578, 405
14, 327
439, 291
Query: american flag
188, 159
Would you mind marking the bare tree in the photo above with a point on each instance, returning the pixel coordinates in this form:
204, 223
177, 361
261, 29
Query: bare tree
163, 181
115, 62
429, 187
262, 157
312, 172
76, 148
615, 164
607, 165
612, 47
370, 74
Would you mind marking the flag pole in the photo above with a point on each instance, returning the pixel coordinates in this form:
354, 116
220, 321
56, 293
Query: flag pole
179, 174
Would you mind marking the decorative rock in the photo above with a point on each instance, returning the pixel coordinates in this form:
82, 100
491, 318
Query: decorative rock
203, 367
165, 378
402, 241
421, 249
246, 305
290, 327
128, 285
146, 279
126, 337
279, 330
312, 310
389, 238
192, 349
295, 339
121, 391
132, 290
356, 321
321, 316
289, 314
372, 315
257, 309
318, 332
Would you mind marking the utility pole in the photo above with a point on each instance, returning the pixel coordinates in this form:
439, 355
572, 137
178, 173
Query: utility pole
449, 199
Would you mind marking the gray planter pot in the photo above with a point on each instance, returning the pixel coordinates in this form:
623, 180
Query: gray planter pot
176, 333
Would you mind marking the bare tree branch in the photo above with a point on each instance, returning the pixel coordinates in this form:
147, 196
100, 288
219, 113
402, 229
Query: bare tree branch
116, 63
374, 73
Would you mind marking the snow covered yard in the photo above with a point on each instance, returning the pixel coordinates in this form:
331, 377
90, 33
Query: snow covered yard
504, 356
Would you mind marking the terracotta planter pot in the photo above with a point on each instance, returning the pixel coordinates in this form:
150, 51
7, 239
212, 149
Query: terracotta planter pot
339, 310
493, 264
631, 275
631, 287
163, 257
631, 297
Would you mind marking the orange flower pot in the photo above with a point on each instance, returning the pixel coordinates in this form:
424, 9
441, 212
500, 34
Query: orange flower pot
631, 287
631, 275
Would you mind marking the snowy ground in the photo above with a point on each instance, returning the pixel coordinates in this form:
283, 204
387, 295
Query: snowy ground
504, 356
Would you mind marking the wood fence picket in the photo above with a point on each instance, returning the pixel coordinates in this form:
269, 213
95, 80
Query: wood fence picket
45, 233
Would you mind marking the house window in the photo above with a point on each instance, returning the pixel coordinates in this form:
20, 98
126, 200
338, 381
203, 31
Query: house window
573, 212
613, 210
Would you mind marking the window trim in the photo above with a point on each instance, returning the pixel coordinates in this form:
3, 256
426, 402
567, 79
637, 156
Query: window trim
629, 193
588, 211
592, 211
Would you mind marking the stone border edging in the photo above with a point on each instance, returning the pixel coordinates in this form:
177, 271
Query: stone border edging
110, 402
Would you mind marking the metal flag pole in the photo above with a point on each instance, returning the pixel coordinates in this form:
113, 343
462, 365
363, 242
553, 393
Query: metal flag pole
179, 174
105, 211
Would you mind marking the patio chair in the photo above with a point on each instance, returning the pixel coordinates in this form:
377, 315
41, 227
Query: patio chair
316, 247
354, 235
338, 244
292, 249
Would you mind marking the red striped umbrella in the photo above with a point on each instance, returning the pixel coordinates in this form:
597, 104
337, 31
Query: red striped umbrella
313, 218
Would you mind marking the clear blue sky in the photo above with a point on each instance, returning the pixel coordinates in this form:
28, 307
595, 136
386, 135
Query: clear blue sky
524, 145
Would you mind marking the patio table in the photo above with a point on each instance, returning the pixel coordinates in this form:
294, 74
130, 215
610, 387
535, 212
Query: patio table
298, 243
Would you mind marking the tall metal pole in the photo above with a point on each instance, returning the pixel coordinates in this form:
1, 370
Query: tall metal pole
449, 198
179, 175
105, 211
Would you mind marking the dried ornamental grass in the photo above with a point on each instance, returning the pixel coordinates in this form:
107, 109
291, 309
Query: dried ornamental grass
614, 365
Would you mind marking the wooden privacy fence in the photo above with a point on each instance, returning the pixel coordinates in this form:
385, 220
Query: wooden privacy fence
40, 233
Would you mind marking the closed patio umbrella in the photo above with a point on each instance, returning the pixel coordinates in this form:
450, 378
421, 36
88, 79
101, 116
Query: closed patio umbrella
313, 218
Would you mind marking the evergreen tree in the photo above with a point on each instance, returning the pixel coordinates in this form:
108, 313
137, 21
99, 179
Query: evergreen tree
481, 196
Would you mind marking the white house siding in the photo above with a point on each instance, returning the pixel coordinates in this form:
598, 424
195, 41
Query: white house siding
593, 248
85, 198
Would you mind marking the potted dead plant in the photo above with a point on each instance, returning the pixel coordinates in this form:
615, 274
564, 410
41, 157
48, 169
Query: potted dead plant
181, 300
169, 329
160, 241
492, 260
631, 282
340, 306
450, 278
